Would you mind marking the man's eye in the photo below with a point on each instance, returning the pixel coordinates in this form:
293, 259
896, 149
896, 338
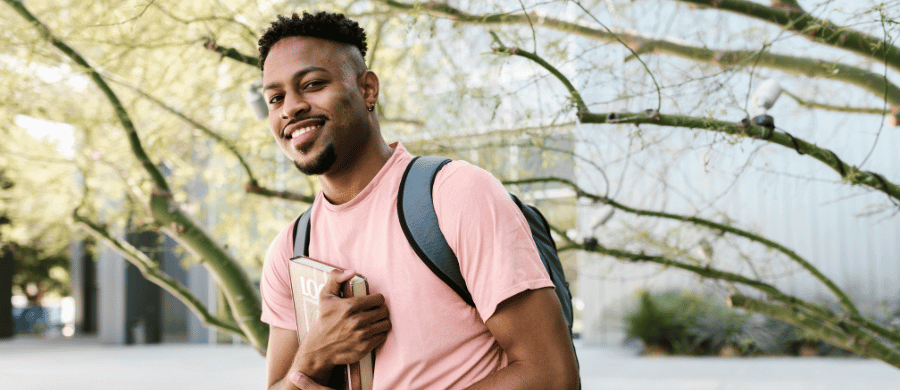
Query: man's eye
275, 99
314, 84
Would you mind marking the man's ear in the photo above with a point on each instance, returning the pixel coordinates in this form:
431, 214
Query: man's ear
368, 86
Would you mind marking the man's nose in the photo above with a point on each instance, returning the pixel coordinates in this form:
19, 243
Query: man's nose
294, 105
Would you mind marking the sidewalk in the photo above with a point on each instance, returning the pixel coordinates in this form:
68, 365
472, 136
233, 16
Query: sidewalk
607, 368
84, 364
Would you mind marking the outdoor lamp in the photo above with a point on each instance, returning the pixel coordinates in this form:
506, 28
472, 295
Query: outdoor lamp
256, 101
763, 99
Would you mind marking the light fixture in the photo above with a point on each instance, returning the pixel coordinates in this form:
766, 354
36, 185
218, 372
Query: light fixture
763, 99
256, 101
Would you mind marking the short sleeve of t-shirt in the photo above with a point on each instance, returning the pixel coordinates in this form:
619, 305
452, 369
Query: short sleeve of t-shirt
277, 305
490, 236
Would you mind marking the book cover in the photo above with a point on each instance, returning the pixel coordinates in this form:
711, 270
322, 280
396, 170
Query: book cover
308, 276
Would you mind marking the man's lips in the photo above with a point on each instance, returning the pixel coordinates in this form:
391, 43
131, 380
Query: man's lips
302, 123
299, 131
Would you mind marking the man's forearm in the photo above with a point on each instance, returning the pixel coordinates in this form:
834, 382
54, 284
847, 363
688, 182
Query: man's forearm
308, 365
286, 357
320, 375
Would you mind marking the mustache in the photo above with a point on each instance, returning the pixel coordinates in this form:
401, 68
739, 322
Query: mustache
303, 118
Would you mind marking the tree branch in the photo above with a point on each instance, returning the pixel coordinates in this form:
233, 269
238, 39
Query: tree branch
825, 314
286, 195
846, 302
703, 271
226, 143
860, 342
576, 97
252, 185
439, 9
870, 81
795, 19
151, 271
229, 276
121, 113
829, 107
855, 339
849, 173
230, 52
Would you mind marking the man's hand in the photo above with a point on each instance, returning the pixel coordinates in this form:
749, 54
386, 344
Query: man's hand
346, 330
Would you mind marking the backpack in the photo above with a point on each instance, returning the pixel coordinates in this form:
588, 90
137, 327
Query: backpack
415, 208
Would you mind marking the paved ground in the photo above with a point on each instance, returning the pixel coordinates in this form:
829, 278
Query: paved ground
27, 363
607, 368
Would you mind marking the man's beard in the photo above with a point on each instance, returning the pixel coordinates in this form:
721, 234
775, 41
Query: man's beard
321, 164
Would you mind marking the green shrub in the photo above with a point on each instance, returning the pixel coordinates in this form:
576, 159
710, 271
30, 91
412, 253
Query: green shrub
720, 326
656, 321
766, 336
682, 322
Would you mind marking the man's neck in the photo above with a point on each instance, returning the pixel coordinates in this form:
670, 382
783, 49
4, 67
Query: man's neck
346, 183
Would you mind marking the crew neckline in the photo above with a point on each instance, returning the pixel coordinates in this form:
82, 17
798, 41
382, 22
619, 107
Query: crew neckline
396, 157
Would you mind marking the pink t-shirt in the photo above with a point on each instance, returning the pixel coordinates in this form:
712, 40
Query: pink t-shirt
437, 341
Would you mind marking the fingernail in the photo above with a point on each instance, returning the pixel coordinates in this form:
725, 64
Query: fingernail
295, 377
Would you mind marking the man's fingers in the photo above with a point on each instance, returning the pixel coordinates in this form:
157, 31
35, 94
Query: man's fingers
369, 302
332, 287
381, 327
304, 383
369, 318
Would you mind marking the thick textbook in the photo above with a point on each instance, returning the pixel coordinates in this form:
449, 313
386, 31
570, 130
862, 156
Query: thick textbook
308, 276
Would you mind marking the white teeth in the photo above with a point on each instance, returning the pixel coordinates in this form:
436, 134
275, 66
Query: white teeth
302, 131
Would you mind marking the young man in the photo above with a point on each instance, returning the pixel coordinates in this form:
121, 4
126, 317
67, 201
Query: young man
321, 103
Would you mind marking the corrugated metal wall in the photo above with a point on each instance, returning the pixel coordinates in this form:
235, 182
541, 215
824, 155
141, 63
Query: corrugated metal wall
791, 199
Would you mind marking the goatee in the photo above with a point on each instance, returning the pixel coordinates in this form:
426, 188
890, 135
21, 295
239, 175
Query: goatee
321, 164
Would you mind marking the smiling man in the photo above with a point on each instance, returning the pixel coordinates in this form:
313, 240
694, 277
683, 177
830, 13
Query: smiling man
322, 101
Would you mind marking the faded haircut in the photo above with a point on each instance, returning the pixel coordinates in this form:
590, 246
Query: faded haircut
323, 25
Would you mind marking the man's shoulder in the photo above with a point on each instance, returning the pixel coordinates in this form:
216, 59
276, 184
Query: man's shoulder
461, 174
463, 188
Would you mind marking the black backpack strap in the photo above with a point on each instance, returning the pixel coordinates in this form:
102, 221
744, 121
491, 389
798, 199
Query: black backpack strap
301, 233
415, 207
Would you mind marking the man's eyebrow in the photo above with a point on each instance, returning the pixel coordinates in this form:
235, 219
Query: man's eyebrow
298, 75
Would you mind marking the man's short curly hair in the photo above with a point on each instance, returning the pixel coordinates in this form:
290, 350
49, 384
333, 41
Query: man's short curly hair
324, 25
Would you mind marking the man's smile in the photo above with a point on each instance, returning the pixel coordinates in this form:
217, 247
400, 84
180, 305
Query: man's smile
300, 131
